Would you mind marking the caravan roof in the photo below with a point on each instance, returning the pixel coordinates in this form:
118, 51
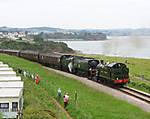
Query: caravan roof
6, 69
7, 73
17, 84
3, 65
10, 92
10, 78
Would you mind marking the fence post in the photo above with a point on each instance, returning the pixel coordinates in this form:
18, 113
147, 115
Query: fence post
142, 77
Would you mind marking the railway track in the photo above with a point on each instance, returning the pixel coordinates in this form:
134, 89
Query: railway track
136, 93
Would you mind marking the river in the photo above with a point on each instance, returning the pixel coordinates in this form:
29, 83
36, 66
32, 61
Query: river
125, 46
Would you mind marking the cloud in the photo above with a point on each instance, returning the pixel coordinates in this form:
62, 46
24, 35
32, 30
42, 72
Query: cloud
75, 13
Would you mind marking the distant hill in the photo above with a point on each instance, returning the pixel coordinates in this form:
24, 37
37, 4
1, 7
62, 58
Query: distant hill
108, 32
57, 33
121, 32
32, 29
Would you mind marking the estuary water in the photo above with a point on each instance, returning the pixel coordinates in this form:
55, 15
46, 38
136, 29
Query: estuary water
125, 46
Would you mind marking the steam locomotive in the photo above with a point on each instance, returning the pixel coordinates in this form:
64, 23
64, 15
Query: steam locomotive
111, 73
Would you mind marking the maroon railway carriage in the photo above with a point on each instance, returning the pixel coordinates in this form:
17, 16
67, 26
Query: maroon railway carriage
30, 55
50, 59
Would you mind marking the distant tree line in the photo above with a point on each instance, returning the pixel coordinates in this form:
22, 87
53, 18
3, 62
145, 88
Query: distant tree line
74, 35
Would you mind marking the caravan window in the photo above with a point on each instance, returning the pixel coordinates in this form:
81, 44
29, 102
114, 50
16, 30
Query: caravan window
4, 105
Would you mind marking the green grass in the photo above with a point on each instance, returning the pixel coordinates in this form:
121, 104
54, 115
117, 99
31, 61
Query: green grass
0, 116
36, 98
91, 104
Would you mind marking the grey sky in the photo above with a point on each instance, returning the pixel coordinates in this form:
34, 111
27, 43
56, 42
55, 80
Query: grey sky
75, 13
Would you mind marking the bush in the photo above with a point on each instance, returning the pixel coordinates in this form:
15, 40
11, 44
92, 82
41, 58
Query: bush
140, 85
37, 46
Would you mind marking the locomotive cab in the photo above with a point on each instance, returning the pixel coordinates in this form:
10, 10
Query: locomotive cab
119, 73
113, 73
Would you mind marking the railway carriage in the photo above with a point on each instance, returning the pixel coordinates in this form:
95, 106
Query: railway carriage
10, 52
52, 60
1, 51
30, 55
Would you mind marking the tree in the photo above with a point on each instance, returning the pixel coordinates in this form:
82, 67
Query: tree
38, 39
20, 38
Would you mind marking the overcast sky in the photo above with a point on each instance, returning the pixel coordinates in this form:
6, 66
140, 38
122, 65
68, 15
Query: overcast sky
75, 13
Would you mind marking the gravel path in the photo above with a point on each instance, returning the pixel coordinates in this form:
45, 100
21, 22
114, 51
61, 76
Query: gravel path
118, 94
60, 107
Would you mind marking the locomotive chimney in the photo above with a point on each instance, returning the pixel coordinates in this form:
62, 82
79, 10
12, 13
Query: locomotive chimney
102, 61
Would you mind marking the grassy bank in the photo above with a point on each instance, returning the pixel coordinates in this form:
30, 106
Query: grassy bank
36, 98
91, 104
139, 70
0, 116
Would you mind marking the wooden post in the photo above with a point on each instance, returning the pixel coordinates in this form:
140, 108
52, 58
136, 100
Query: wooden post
76, 97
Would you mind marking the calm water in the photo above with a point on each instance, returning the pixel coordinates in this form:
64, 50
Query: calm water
134, 46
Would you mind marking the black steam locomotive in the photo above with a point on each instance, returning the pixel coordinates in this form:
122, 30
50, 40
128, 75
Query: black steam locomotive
111, 73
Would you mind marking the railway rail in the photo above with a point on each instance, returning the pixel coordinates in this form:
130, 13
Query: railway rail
136, 93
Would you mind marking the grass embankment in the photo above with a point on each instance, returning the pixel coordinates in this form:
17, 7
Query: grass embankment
137, 68
91, 104
0, 116
37, 100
